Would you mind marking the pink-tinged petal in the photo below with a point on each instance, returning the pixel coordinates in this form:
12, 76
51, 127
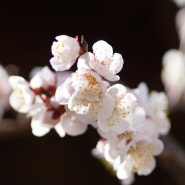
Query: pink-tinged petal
61, 76
105, 107
43, 78
102, 49
89, 119
72, 125
147, 168
105, 63
83, 60
60, 130
117, 90
124, 171
103, 71
117, 63
64, 92
58, 64
164, 127
158, 146
142, 93
88, 85
38, 129
80, 106
114, 123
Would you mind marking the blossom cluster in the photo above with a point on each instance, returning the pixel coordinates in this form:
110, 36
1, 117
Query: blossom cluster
128, 121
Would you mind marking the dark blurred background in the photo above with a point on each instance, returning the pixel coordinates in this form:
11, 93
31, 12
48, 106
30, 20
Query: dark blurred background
141, 30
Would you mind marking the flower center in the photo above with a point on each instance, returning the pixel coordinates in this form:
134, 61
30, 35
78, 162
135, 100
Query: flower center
91, 80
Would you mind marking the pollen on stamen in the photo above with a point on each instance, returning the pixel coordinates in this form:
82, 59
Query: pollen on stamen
91, 80
63, 44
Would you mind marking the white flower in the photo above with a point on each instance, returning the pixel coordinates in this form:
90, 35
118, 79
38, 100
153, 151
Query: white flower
159, 105
125, 103
140, 125
89, 111
89, 84
106, 63
155, 105
89, 98
103, 61
140, 157
64, 91
65, 52
21, 98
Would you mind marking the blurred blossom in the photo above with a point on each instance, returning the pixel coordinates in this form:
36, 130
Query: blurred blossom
173, 75
21, 98
180, 23
5, 90
173, 64
179, 3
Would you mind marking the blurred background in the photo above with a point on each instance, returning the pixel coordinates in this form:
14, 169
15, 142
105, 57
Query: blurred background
141, 30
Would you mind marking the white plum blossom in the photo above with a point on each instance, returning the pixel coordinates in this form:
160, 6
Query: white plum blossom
155, 105
89, 97
125, 103
106, 63
65, 52
140, 124
140, 158
89, 84
64, 91
103, 61
22, 97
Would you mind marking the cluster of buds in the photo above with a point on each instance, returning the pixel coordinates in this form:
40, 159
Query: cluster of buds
128, 121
